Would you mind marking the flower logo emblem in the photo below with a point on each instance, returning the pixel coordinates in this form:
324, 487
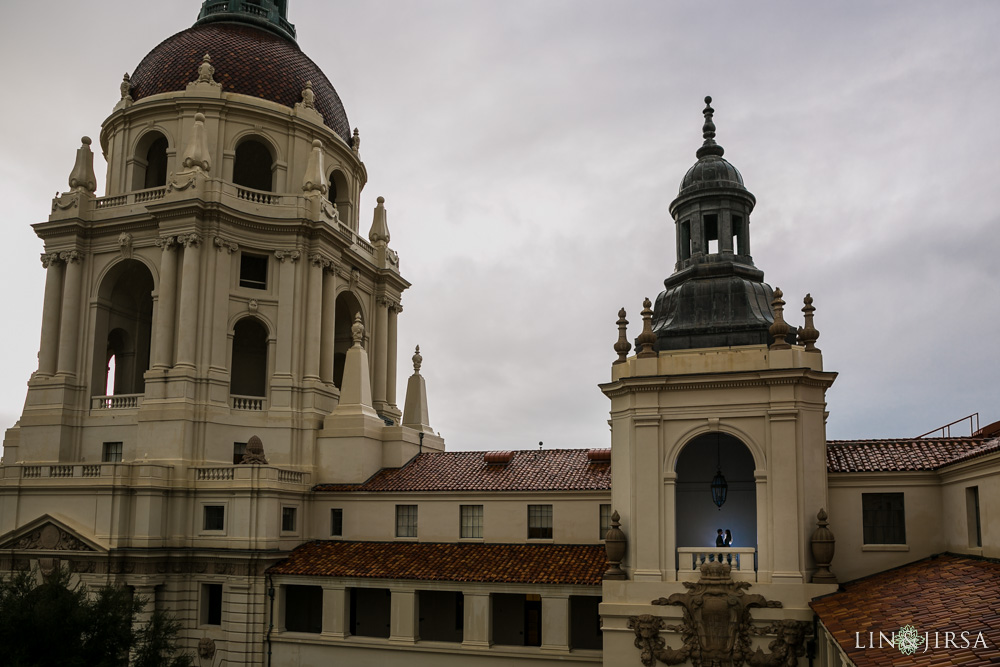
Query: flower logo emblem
908, 640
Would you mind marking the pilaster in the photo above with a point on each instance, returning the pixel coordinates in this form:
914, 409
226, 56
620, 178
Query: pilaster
187, 317
477, 621
404, 617
48, 349
555, 623
69, 329
163, 346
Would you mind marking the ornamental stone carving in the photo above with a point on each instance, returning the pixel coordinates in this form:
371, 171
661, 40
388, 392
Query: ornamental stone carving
716, 626
614, 545
71, 256
49, 537
290, 255
48, 259
225, 244
83, 178
319, 260
126, 88
784, 651
125, 245
254, 453
206, 72
189, 240
166, 242
206, 648
308, 96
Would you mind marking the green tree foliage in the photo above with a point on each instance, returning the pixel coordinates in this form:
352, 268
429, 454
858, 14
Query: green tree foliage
56, 623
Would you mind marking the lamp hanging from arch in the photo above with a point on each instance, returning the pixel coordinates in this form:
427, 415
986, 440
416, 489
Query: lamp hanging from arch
719, 486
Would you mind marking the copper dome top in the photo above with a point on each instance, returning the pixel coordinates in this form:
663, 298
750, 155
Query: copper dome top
247, 60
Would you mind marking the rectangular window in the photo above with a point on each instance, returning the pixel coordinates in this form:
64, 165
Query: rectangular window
304, 609
215, 517
111, 452
211, 604
253, 271
883, 518
605, 520
406, 520
337, 522
239, 449
972, 514
288, 519
471, 521
539, 522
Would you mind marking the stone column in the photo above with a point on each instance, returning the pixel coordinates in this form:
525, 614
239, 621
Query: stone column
644, 539
187, 316
725, 231
390, 377
327, 334
314, 315
555, 623
336, 612
381, 343
404, 618
69, 321
670, 526
286, 296
48, 349
163, 352
220, 310
477, 622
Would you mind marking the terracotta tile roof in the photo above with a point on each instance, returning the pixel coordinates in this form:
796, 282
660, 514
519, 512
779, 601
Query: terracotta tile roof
550, 470
247, 60
946, 593
911, 454
490, 563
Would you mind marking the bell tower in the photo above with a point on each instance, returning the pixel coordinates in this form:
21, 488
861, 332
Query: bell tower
717, 420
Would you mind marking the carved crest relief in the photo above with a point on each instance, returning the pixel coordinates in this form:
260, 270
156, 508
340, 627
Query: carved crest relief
49, 537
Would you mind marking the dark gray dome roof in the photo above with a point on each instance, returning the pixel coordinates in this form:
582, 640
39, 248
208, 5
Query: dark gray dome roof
711, 171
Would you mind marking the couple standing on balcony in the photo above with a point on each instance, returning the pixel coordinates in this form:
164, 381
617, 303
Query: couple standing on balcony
724, 541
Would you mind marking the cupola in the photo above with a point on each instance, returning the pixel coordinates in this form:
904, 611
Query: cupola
268, 14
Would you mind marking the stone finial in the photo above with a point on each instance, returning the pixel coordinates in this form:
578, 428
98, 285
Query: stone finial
823, 545
622, 347
647, 339
308, 96
315, 179
708, 133
808, 333
83, 178
614, 545
379, 233
126, 87
357, 330
356, 141
780, 328
417, 360
254, 453
196, 154
205, 71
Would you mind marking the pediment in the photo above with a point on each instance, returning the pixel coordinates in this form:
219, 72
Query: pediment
48, 534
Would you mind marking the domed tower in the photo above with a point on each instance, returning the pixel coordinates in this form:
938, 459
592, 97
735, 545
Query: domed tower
217, 335
716, 296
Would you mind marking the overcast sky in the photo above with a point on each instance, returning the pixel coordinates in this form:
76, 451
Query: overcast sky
528, 152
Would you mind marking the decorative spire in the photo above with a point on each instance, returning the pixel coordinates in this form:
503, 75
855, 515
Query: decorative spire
622, 347
196, 155
126, 87
614, 546
379, 233
647, 339
417, 360
780, 328
254, 453
357, 330
315, 179
708, 132
823, 545
808, 334
82, 177
356, 141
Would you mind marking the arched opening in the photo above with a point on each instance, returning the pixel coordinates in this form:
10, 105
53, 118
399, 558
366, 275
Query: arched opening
698, 518
347, 306
339, 195
150, 162
248, 371
124, 320
253, 165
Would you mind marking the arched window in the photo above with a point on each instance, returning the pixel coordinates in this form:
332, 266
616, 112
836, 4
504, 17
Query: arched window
248, 371
150, 162
253, 165
347, 306
124, 322
340, 196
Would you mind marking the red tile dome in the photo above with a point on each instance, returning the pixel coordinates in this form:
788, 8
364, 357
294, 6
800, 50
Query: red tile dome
247, 60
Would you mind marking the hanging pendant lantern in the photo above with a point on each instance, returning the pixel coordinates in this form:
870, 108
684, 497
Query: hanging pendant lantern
719, 486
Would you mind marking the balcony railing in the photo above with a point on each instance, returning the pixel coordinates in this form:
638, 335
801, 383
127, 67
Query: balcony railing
137, 197
740, 559
116, 402
250, 403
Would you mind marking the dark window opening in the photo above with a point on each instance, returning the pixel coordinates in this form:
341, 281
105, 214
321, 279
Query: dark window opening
517, 619
972, 513
441, 615
123, 331
539, 522
711, 233
585, 622
304, 609
685, 232
406, 520
249, 367
252, 166
111, 452
239, 449
739, 236
215, 517
884, 518
156, 164
337, 522
253, 271
605, 520
288, 516
370, 610
211, 604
